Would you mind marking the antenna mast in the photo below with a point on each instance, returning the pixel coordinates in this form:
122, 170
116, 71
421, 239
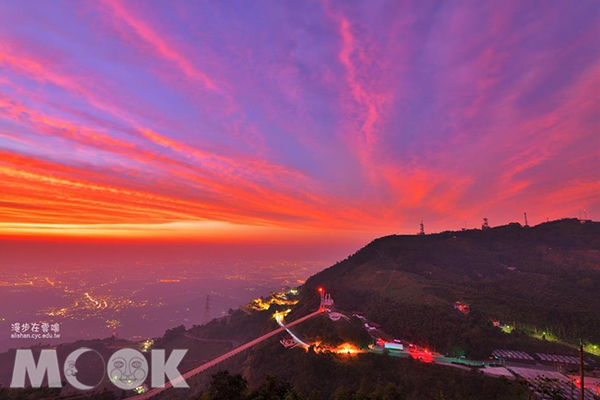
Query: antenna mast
486, 224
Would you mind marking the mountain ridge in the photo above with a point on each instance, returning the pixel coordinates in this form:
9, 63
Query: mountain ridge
408, 284
540, 278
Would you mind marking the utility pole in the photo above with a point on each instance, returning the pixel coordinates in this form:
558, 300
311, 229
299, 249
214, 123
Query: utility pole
581, 375
526, 223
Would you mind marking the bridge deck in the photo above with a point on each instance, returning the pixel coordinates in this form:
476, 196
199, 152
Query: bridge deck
215, 361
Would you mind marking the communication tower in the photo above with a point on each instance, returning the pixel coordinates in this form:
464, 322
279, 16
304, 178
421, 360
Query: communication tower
486, 224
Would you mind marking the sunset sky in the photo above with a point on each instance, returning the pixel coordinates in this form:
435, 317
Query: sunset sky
295, 120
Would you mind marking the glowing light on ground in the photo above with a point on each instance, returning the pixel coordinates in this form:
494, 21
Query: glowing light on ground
279, 299
592, 349
280, 315
146, 345
343, 349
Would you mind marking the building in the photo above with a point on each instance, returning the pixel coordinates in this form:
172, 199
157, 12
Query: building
463, 308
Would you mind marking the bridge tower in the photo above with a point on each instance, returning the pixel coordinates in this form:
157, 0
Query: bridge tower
326, 300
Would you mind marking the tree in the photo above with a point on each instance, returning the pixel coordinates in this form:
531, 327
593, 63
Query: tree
224, 386
273, 388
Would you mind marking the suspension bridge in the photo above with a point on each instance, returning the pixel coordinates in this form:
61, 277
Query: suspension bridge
326, 303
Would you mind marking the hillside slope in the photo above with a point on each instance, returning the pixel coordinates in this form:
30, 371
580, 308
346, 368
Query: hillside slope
539, 279
543, 279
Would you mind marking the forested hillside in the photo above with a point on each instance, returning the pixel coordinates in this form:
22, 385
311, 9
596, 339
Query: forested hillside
540, 282
544, 280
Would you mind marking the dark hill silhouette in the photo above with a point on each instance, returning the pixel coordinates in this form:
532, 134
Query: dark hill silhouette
544, 278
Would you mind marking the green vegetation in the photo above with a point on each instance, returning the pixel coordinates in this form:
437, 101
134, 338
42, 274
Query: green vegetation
224, 386
28, 393
544, 277
507, 329
311, 376
592, 349
539, 282
367, 377
544, 335
50, 393
334, 333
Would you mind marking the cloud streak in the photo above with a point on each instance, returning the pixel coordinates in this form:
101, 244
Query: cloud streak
199, 120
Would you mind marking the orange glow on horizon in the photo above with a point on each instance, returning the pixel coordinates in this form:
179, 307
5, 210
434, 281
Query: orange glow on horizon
296, 146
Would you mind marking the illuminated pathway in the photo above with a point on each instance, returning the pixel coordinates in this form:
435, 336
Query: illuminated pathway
279, 318
212, 363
